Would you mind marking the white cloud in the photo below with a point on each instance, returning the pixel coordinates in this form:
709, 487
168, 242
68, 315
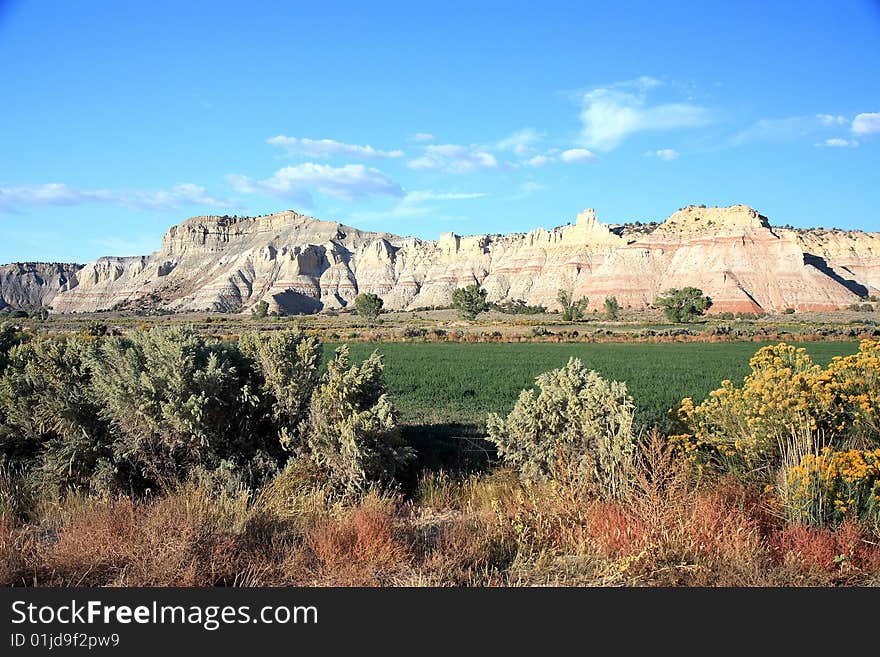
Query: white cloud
418, 196
417, 203
786, 128
538, 161
666, 154
422, 137
526, 189
520, 142
182, 194
327, 148
832, 119
798, 127
610, 114
297, 183
837, 142
453, 158
577, 155
179, 195
867, 123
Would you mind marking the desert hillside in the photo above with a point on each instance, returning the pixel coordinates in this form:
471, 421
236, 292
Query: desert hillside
33, 285
300, 264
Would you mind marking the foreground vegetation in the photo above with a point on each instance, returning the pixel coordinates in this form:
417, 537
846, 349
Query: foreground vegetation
165, 458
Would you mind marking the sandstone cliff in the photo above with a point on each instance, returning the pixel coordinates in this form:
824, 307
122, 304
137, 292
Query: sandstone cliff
33, 285
300, 264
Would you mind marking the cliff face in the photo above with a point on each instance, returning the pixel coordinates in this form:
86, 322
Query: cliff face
299, 264
33, 285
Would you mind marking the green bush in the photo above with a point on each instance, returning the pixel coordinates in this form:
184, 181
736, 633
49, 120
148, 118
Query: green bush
368, 306
518, 307
10, 336
683, 305
49, 421
288, 363
151, 409
576, 429
175, 402
572, 310
260, 310
612, 308
470, 301
352, 429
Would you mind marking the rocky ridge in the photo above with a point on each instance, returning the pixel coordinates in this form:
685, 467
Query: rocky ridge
33, 285
300, 264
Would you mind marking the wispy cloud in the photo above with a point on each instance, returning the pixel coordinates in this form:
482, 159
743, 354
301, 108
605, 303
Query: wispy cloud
792, 128
612, 113
418, 203
60, 194
782, 129
573, 155
832, 119
520, 142
298, 183
839, 142
138, 245
538, 161
867, 123
526, 189
454, 158
665, 154
327, 148
422, 137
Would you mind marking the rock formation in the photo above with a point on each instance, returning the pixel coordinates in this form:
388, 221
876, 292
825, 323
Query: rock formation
33, 285
299, 264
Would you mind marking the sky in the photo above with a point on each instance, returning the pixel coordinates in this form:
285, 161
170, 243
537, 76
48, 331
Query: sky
119, 119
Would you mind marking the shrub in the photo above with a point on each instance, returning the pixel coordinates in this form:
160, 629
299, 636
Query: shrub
10, 336
831, 486
352, 428
518, 307
788, 311
577, 429
786, 408
369, 306
470, 301
260, 310
175, 403
684, 305
572, 310
612, 308
51, 422
288, 362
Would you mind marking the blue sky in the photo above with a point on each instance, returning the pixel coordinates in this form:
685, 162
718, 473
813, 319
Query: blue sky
120, 119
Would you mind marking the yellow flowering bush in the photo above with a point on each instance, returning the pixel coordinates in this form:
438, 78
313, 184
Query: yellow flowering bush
855, 384
785, 398
827, 487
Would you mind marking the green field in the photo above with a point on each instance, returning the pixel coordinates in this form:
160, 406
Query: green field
459, 383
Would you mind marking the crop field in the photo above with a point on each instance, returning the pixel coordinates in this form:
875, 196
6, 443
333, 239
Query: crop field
459, 383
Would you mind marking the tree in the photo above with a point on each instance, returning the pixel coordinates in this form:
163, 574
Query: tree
612, 308
260, 310
572, 310
369, 306
470, 301
684, 305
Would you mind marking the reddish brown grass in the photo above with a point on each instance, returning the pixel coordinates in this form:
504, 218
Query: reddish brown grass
362, 547
842, 550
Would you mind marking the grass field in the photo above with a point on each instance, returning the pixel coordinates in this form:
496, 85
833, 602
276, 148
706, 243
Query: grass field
459, 383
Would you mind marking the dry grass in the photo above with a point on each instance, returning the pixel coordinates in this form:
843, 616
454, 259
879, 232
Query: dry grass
481, 530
